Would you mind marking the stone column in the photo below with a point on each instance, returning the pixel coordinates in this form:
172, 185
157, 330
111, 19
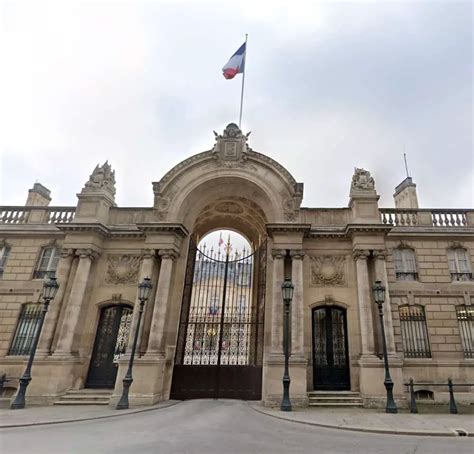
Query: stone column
277, 301
147, 269
62, 275
297, 309
364, 297
156, 342
381, 275
76, 298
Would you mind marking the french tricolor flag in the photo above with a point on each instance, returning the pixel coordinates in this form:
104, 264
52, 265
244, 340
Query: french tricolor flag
236, 64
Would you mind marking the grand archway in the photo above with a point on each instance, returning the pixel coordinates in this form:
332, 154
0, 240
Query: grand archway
219, 348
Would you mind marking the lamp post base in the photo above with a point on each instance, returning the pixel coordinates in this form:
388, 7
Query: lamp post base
19, 402
123, 402
391, 406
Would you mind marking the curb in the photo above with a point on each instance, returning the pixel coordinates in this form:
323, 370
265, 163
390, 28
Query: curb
375, 430
90, 418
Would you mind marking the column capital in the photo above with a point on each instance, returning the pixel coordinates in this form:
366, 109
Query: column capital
297, 254
380, 254
362, 254
66, 252
87, 253
278, 253
148, 254
171, 254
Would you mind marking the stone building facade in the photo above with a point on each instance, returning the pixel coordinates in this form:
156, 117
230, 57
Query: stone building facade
99, 252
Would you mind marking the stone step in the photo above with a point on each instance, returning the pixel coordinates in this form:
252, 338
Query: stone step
336, 399
80, 397
81, 402
107, 392
333, 393
333, 404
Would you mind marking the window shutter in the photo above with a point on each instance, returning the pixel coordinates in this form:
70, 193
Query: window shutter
463, 261
452, 261
398, 261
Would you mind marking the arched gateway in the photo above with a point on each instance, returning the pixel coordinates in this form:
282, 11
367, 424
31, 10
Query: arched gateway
220, 345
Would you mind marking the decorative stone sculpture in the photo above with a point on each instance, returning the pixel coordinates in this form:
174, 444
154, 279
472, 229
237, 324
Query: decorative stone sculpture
101, 179
328, 270
122, 269
362, 180
231, 147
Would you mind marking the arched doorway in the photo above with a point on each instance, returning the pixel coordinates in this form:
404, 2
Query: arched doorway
330, 349
110, 342
220, 342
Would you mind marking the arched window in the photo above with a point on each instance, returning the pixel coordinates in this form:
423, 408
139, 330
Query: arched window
414, 332
26, 329
48, 263
459, 264
405, 264
465, 316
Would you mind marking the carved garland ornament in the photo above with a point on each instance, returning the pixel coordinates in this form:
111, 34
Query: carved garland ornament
328, 270
122, 269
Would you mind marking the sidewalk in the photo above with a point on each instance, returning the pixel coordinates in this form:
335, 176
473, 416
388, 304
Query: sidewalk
377, 421
35, 416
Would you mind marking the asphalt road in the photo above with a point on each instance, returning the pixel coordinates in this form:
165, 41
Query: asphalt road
209, 426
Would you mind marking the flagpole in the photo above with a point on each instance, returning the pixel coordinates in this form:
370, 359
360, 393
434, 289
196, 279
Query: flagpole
243, 82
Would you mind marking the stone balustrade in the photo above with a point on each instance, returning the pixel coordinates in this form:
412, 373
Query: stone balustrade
36, 215
427, 217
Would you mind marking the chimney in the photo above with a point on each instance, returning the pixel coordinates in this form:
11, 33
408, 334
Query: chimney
405, 194
38, 196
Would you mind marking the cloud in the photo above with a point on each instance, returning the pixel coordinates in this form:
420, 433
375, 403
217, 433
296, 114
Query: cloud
329, 86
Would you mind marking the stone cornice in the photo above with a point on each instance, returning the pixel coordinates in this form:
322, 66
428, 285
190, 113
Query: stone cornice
288, 227
163, 227
367, 229
93, 227
442, 232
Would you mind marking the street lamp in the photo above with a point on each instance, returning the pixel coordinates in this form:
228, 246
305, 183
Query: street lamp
144, 289
287, 289
50, 288
379, 297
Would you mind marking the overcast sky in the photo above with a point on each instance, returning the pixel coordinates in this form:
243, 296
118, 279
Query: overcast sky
329, 86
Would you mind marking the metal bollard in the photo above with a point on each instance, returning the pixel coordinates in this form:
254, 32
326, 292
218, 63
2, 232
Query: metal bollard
413, 408
452, 403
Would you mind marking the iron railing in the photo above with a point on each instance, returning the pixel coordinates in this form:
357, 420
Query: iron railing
465, 316
406, 275
28, 324
414, 332
461, 276
452, 403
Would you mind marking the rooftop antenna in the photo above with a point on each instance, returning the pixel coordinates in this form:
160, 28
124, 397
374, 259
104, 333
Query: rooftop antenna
406, 165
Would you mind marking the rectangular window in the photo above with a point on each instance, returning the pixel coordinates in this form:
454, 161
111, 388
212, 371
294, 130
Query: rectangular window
26, 329
465, 316
405, 264
459, 265
4, 253
414, 332
48, 263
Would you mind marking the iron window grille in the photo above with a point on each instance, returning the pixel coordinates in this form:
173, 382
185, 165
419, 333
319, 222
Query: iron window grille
465, 316
26, 329
405, 264
459, 265
414, 332
47, 264
4, 253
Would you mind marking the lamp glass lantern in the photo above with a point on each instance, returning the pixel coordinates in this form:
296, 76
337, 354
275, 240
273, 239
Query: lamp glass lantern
50, 288
379, 292
287, 289
144, 289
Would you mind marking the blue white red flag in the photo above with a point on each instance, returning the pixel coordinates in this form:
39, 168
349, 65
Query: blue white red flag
236, 64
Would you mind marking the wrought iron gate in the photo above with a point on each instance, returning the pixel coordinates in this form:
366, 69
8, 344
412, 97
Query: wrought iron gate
110, 343
220, 341
330, 352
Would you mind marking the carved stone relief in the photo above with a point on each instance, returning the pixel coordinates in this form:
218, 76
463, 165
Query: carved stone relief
362, 180
122, 269
328, 270
102, 178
